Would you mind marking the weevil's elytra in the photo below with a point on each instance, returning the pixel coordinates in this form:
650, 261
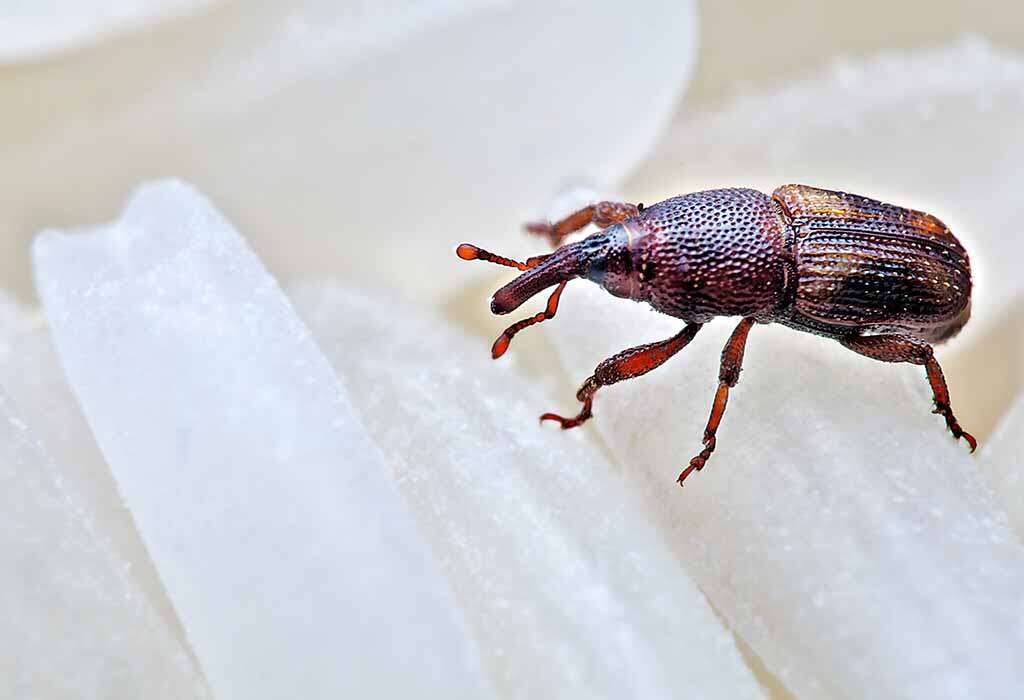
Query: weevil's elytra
884, 281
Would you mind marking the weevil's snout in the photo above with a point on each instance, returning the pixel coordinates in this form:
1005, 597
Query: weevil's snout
566, 263
498, 309
539, 273
583, 258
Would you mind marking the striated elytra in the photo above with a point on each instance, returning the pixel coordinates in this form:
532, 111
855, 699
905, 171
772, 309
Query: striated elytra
885, 281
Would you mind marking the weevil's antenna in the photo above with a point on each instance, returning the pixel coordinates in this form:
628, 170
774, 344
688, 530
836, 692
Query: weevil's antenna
468, 251
501, 344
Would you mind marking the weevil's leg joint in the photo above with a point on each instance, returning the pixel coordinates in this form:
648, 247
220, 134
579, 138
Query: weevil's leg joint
728, 376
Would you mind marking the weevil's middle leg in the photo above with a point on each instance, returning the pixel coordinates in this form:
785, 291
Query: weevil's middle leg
625, 365
603, 214
898, 348
728, 376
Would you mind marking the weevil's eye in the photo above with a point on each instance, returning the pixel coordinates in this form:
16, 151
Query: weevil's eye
597, 269
611, 265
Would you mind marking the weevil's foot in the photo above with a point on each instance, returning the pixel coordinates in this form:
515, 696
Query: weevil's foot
696, 464
970, 440
959, 432
954, 426
567, 423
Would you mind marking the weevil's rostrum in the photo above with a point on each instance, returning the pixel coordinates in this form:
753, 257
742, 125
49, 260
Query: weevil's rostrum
883, 280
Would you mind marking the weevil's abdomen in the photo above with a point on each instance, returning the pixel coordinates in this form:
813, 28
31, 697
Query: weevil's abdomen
875, 267
711, 253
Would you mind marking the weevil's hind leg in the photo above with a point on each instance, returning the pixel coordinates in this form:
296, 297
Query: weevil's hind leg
603, 214
728, 376
625, 365
899, 348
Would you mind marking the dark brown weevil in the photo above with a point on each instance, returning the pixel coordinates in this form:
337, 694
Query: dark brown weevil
884, 281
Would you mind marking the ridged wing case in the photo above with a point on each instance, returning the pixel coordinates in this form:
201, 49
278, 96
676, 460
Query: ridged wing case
880, 268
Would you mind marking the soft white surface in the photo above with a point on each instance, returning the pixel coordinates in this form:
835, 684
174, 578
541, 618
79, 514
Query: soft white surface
843, 535
13, 318
350, 130
1003, 460
292, 562
569, 589
35, 29
31, 375
75, 622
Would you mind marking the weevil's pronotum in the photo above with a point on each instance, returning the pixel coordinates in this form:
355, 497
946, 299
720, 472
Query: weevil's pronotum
884, 281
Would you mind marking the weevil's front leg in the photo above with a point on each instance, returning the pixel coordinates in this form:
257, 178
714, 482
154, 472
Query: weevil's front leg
899, 348
603, 214
728, 376
626, 365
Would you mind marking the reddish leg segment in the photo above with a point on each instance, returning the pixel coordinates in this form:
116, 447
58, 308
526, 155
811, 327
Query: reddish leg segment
898, 348
603, 214
728, 376
626, 365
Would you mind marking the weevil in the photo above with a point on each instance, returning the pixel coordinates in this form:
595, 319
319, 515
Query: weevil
884, 281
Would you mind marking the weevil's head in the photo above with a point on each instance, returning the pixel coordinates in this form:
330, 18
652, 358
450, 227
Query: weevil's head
612, 263
604, 258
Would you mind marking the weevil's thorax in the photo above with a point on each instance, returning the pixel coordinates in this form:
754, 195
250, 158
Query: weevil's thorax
707, 254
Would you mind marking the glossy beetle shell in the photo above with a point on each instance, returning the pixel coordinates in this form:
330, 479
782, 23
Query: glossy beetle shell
863, 264
822, 261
